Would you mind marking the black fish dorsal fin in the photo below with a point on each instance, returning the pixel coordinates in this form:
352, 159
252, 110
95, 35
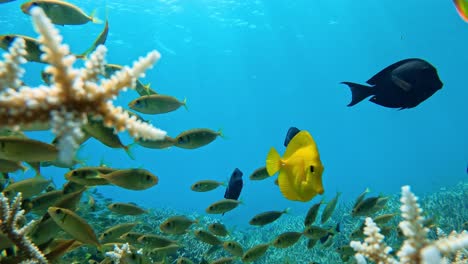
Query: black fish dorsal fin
292, 131
383, 73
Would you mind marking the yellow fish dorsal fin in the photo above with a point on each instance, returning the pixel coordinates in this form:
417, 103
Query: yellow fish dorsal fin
302, 139
286, 185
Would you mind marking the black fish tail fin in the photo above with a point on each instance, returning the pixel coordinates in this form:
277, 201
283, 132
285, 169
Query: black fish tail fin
359, 92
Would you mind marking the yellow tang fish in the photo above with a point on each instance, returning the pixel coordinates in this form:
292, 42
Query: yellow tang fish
300, 169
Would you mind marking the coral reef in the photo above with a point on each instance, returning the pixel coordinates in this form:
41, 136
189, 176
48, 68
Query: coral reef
122, 254
74, 94
416, 248
10, 215
77, 96
196, 250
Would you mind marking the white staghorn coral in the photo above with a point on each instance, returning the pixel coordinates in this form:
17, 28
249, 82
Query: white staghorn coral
454, 243
417, 248
10, 70
119, 253
374, 247
123, 254
412, 227
74, 94
9, 217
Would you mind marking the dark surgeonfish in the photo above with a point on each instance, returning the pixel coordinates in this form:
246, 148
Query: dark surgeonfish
292, 131
235, 185
404, 84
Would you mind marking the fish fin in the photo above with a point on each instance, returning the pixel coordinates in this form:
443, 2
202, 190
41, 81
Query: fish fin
337, 228
286, 186
83, 55
184, 103
383, 74
273, 162
359, 92
93, 47
292, 131
221, 134
94, 19
404, 85
36, 166
322, 201
103, 163
198, 221
300, 140
128, 149
462, 9
24, 168
147, 88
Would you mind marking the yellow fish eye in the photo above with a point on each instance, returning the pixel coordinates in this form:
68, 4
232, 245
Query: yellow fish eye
311, 168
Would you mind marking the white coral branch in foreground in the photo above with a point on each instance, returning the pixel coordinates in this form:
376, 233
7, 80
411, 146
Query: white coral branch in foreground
10, 215
10, 70
417, 248
74, 94
373, 247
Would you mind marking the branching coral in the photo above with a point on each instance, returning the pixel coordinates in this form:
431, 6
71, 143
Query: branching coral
373, 247
120, 255
9, 217
73, 96
417, 248
10, 70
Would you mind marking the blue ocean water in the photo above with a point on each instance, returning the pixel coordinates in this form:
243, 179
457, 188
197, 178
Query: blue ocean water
255, 68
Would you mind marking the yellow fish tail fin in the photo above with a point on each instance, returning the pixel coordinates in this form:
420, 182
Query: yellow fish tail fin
273, 162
